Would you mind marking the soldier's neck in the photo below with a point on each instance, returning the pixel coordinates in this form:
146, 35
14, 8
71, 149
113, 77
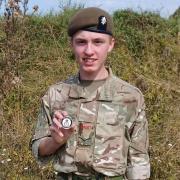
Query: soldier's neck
99, 75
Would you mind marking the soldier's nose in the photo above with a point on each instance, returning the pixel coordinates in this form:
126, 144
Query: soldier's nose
89, 50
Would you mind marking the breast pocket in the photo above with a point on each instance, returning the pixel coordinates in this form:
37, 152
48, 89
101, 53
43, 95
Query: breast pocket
112, 117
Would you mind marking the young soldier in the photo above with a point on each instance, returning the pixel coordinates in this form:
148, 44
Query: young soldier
93, 125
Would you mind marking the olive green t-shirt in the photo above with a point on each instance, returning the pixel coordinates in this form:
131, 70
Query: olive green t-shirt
92, 85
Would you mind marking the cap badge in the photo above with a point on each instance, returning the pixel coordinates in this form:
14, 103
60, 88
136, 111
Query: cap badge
103, 20
102, 23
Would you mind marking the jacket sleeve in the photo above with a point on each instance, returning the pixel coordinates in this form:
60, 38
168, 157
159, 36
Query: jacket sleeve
138, 157
54, 99
41, 130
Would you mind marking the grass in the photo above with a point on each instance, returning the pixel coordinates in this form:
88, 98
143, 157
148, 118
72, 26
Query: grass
37, 54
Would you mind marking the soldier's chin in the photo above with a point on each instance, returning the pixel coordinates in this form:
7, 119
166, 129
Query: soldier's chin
89, 70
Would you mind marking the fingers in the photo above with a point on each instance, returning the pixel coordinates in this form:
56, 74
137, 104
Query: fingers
60, 135
57, 123
54, 130
57, 130
60, 114
64, 113
58, 117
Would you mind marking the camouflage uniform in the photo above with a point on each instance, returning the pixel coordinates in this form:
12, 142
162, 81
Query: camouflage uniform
111, 136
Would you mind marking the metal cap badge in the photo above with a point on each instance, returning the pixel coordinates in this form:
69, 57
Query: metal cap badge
102, 23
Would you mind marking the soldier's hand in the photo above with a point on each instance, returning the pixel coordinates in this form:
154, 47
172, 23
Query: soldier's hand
58, 133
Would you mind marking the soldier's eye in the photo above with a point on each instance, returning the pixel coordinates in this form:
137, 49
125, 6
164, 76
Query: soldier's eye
80, 42
98, 42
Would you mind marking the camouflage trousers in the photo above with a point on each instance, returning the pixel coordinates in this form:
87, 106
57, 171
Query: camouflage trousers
64, 176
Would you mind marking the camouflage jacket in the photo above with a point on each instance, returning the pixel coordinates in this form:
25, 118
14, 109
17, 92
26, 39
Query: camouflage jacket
111, 135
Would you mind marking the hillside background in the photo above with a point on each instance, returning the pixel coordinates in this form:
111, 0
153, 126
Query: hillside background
35, 53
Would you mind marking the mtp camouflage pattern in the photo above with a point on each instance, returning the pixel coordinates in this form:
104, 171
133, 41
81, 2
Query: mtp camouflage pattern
111, 134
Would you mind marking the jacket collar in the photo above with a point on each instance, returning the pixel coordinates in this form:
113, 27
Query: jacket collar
103, 93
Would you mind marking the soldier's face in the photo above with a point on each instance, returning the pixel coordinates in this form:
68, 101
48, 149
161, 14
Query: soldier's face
91, 50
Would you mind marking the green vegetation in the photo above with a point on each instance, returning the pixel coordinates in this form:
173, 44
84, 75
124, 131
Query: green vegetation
35, 53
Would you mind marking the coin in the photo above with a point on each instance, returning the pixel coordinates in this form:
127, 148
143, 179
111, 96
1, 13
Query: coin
66, 122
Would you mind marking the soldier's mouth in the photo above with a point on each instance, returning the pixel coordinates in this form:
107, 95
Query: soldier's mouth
89, 60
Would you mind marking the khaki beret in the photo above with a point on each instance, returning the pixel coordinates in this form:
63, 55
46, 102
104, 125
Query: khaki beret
91, 19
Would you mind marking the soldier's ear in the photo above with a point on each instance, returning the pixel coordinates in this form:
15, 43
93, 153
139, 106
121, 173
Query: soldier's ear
111, 44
